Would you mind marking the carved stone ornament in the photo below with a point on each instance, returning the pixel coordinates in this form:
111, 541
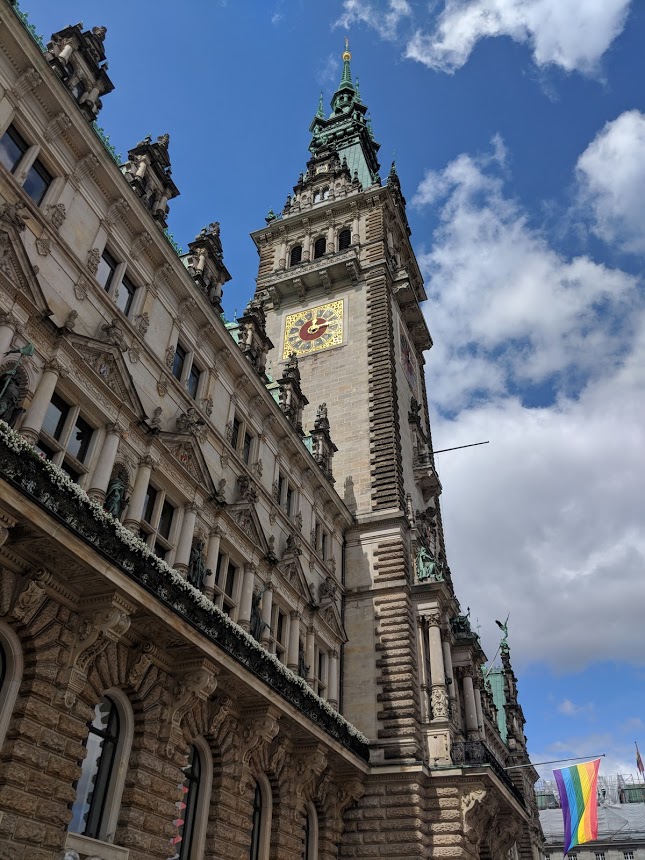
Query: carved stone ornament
207, 405
57, 126
95, 633
170, 357
196, 685
114, 334
116, 210
439, 702
27, 81
133, 354
162, 387
190, 422
81, 288
93, 260
140, 244
86, 164
143, 323
43, 245
12, 213
32, 597
57, 214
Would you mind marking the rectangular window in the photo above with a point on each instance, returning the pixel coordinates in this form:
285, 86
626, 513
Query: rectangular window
278, 640
246, 447
37, 182
628, 855
225, 586
179, 361
149, 504
67, 437
126, 295
288, 502
12, 148
165, 519
80, 439
600, 855
320, 667
324, 545
106, 270
55, 417
157, 521
235, 437
193, 380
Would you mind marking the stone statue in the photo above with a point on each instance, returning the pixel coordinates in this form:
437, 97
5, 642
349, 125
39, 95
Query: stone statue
302, 666
196, 573
9, 398
115, 500
504, 628
427, 568
257, 624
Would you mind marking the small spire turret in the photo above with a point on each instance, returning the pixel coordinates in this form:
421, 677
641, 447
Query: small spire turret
320, 112
346, 78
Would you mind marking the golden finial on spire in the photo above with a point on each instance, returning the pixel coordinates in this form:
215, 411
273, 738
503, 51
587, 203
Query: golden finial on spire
346, 54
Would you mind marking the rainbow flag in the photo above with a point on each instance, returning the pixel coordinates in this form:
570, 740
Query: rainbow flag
577, 787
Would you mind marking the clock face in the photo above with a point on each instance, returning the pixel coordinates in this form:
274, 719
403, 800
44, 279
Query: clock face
313, 329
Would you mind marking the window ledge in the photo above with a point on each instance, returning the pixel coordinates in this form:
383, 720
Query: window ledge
94, 848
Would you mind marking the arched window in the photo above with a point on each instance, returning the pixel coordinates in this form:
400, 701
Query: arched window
344, 239
311, 833
261, 821
100, 785
11, 665
296, 255
320, 246
192, 780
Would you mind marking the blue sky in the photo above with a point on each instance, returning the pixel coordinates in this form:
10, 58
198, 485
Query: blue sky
519, 133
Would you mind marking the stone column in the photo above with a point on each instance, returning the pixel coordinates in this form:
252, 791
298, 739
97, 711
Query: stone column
332, 680
7, 329
294, 642
355, 233
33, 421
138, 497
267, 604
185, 543
310, 656
212, 554
330, 238
447, 664
282, 256
472, 728
479, 710
439, 696
246, 600
423, 674
103, 470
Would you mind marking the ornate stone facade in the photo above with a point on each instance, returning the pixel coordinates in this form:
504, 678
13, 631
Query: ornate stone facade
211, 641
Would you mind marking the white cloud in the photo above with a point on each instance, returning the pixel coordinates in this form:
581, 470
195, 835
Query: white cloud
611, 176
384, 19
510, 309
570, 34
570, 709
546, 521
329, 71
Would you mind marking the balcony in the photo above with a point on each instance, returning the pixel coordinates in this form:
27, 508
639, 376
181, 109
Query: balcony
426, 476
477, 754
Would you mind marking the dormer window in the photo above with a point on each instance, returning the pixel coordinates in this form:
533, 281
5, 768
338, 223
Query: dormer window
320, 246
344, 239
296, 255
317, 196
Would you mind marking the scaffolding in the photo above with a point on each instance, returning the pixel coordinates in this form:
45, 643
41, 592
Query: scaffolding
612, 791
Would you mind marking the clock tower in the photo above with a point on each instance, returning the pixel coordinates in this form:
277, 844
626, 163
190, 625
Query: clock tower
341, 289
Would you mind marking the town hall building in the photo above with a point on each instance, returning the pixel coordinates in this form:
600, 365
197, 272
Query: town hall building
228, 623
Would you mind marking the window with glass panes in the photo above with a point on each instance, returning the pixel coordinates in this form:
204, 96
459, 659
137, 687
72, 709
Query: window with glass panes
66, 437
89, 807
286, 494
226, 585
344, 239
13, 147
279, 633
321, 539
242, 439
192, 787
125, 295
157, 521
320, 667
106, 270
192, 382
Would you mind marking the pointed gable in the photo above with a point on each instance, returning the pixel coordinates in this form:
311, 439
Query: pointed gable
106, 360
185, 449
291, 569
331, 617
245, 516
15, 265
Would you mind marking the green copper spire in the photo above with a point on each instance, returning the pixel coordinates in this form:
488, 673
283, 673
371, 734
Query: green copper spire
320, 112
346, 79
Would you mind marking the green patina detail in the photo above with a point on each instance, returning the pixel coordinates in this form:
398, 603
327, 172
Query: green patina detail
105, 140
496, 680
171, 241
24, 20
347, 129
